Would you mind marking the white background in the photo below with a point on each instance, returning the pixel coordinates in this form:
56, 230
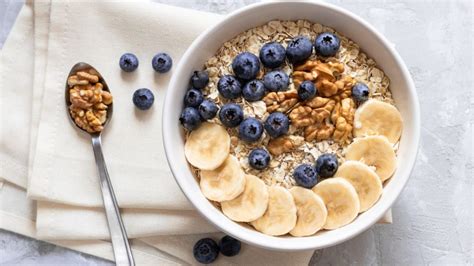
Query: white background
433, 217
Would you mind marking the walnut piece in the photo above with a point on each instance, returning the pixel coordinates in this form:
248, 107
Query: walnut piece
281, 145
343, 118
323, 75
89, 102
313, 112
281, 101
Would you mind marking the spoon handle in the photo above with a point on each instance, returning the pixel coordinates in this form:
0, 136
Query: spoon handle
118, 235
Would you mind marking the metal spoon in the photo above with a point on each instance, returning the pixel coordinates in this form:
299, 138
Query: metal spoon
118, 235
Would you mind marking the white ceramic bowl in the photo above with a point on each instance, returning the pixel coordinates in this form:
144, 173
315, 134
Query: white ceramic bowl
355, 28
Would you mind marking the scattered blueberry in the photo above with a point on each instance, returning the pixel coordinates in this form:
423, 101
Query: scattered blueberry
305, 176
229, 246
128, 62
360, 92
253, 90
307, 90
229, 87
259, 159
231, 115
272, 54
162, 62
143, 99
193, 98
326, 165
327, 44
246, 66
208, 109
276, 80
199, 79
250, 130
299, 49
277, 124
190, 118
206, 251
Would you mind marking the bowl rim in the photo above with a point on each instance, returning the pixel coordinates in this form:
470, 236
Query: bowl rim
279, 243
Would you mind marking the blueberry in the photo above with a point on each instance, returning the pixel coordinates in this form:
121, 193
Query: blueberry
128, 62
327, 44
193, 98
307, 90
206, 251
162, 62
259, 159
229, 246
360, 92
250, 130
208, 109
246, 66
253, 90
143, 99
277, 124
326, 165
231, 115
299, 49
276, 80
272, 54
229, 87
199, 79
190, 118
305, 176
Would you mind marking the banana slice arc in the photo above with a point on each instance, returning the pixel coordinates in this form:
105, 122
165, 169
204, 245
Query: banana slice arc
310, 211
224, 183
280, 216
374, 151
251, 204
208, 146
341, 200
378, 118
365, 181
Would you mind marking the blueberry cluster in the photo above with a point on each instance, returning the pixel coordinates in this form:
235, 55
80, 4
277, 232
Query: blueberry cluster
307, 175
206, 250
196, 107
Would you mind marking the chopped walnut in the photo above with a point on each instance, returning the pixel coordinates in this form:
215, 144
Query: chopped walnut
282, 144
89, 102
281, 101
343, 118
314, 111
324, 75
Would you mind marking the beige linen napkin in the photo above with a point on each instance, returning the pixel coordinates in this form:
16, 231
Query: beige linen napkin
16, 70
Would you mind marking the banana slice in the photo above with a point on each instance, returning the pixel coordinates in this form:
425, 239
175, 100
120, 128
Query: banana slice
341, 201
365, 181
224, 183
251, 204
378, 118
310, 211
374, 151
208, 146
280, 216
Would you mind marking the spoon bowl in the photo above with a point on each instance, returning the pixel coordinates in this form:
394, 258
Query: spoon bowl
84, 66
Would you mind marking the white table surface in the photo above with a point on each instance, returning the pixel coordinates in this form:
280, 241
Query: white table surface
433, 216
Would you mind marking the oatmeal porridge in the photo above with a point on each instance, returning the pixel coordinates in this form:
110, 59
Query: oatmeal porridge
300, 129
